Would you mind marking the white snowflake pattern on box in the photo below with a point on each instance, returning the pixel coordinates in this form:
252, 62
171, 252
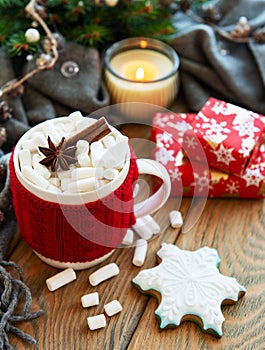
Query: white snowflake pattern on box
230, 135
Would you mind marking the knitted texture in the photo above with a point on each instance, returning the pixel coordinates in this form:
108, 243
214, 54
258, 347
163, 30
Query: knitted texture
74, 233
12, 292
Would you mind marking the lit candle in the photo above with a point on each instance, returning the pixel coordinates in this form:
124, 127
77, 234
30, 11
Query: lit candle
142, 70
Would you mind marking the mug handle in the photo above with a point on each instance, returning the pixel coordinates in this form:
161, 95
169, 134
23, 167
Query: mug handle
158, 199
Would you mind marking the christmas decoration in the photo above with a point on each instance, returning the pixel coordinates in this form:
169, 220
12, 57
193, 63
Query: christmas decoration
32, 35
190, 177
242, 29
90, 23
229, 135
5, 111
111, 2
189, 286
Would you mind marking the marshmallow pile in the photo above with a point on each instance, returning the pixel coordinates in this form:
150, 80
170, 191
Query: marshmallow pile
97, 164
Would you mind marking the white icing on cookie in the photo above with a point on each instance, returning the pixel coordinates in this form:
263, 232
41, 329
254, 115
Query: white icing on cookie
190, 284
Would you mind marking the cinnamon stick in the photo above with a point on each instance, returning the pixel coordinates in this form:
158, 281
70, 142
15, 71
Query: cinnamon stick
93, 132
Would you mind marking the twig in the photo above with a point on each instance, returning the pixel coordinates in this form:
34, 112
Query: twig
31, 10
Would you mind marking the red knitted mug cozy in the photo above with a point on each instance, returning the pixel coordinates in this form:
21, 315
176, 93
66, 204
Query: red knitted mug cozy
53, 229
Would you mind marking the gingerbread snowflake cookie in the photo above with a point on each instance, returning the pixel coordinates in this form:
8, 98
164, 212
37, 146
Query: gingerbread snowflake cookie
189, 287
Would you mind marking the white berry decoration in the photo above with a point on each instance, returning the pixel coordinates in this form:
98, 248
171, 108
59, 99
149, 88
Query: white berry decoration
32, 35
191, 287
111, 3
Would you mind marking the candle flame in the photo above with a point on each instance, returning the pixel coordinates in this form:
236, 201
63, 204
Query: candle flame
139, 73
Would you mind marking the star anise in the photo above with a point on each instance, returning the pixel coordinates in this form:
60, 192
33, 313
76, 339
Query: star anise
58, 156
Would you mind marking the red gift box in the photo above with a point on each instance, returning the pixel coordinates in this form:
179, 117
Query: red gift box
229, 135
193, 177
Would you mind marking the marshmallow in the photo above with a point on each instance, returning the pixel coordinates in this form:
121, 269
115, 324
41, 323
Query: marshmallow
103, 274
82, 147
96, 151
84, 123
109, 141
40, 140
49, 130
140, 252
142, 229
110, 174
85, 172
91, 299
41, 169
96, 322
55, 181
150, 222
84, 160
60, 279
64, 174
65, 182
68, 127
75, 117
113, 308
101, 182
54, 189
33, 176
175, 219
83, 185
29, 145
60, 129
128, 238
121, 139
24, 157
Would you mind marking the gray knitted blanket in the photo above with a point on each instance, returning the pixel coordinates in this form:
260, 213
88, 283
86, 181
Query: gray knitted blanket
12, 287
213, 66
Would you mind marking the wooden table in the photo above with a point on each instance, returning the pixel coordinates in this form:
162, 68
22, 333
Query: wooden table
235, 227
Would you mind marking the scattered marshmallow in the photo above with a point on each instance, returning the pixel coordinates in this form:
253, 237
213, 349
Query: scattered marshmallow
175, 218
140, 252
150, 221
103, 274
60, 279
113, 308
128, 238
24, 157
33, 176
91, 299
143, 230
96, 322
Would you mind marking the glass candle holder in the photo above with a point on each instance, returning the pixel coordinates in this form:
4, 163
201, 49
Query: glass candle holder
142, 70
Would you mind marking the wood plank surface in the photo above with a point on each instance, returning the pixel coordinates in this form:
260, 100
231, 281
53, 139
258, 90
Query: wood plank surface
236, 228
